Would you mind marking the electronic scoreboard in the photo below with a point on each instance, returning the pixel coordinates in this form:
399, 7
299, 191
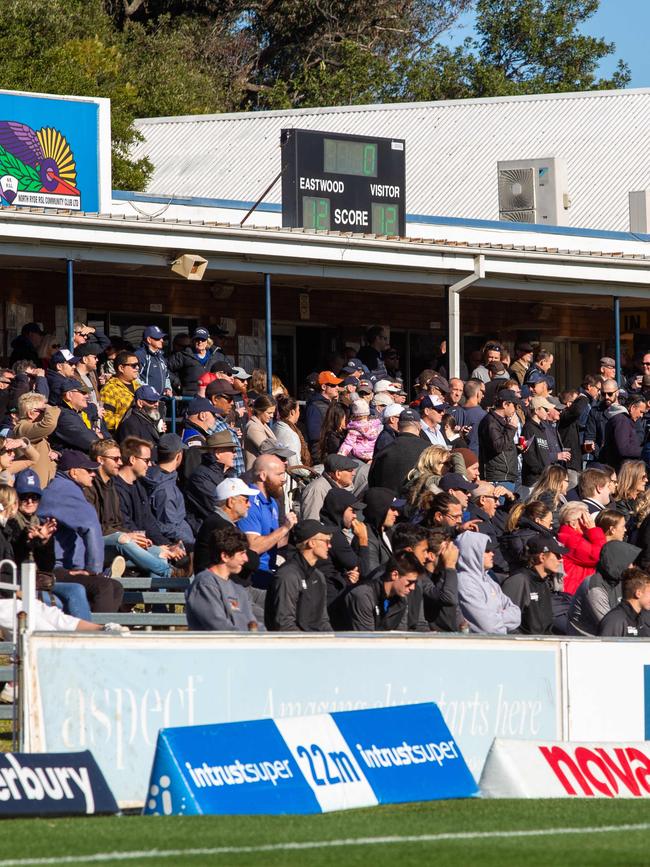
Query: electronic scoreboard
341, 182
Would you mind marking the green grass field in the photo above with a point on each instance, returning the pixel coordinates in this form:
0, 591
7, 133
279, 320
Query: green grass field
348, 838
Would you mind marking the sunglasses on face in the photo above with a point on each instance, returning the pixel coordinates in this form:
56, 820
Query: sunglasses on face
134, 364
609, 393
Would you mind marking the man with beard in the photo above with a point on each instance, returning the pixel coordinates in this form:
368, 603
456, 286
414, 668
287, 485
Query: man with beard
599, 415
262, 524
143, 419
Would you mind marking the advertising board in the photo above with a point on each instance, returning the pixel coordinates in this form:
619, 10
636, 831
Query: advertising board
113, 695
535, 769
608, 690
55, 152
315, 764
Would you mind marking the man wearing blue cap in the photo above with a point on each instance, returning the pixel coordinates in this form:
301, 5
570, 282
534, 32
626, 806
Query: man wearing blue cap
75, 428
153, 364
143, 419
197, 359
198, 424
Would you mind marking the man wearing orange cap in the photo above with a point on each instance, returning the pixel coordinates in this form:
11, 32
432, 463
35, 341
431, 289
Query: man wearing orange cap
317, 405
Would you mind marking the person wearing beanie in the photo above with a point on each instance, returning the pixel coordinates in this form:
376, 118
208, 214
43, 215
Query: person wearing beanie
362, 433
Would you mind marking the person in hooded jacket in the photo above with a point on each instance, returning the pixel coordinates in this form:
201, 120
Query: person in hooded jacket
165, 498
27, 344
216, 465
524, 521
153, 364
601, 592
631, 617
142, 419
482, 508
347, 562
381, 512
621, 440
296, 600
483, 604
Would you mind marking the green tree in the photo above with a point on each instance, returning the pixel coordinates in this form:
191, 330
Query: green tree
521, 47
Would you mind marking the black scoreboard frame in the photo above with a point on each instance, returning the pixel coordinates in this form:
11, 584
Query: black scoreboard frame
363, 190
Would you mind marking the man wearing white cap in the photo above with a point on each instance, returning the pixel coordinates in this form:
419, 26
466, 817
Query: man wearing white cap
390, 417
233, 498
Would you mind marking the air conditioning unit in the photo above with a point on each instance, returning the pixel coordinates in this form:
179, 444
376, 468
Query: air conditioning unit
533, 191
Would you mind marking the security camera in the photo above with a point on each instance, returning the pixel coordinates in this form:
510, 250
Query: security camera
190, 265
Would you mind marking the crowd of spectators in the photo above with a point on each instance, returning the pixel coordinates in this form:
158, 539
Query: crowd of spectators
489, 504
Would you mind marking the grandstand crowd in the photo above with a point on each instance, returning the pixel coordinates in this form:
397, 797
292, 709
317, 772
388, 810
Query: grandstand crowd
485, 504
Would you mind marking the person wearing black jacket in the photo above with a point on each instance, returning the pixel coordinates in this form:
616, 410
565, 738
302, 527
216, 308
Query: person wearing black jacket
347, 562
631, 617
142, 419
382, 510
390, 468
193, 361
569, 428
622, 441
76, 427
216, 465
529, 588
537, 455
497, 449
25, 346
379, 605
483, 509
296, 600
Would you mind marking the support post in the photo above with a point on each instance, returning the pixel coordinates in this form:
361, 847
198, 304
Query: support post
70, 275
617, 337
267, 330
453, 314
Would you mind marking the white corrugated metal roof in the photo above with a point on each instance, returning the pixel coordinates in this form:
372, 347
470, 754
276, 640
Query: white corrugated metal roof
452, 150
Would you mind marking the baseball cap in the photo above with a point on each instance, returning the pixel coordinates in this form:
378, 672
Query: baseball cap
456, 482
307, 529
71, 459
410, 415
269, 447
62, 355
32, 328
147, 392
222, 367
220, 386
439, 382
326, 377
392, 410
153, 331
506, 395
351, 380
382, 399
170, 444
220, 440
541, 402
339, 462
201, 334
200, 404
27, 482
543, 544
355, 364
70, 384
234, 488
88, 348
557, 403
240, 373
427, 403
524, 348
345, 499
364, 387
386, 385
536, 376
607, 362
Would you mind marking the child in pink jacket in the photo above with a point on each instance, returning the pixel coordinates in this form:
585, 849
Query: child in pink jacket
362, 433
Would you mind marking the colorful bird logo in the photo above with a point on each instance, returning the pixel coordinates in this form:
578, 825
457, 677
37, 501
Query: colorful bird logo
35, 162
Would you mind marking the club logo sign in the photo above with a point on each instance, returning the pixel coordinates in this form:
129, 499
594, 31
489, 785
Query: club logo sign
37, 167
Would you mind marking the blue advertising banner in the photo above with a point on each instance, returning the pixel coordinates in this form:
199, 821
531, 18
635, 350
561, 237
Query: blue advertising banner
53, 784
114, 696
308, 764
54, 152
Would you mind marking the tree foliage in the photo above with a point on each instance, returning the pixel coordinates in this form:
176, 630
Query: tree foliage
162, 57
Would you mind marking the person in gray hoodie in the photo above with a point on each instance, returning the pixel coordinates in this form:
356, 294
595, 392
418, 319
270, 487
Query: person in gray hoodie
601, 592
482, 602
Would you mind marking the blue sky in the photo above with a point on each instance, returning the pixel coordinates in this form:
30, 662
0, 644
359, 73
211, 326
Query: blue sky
624, 22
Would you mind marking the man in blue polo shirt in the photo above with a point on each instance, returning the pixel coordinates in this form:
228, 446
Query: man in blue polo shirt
262, 524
